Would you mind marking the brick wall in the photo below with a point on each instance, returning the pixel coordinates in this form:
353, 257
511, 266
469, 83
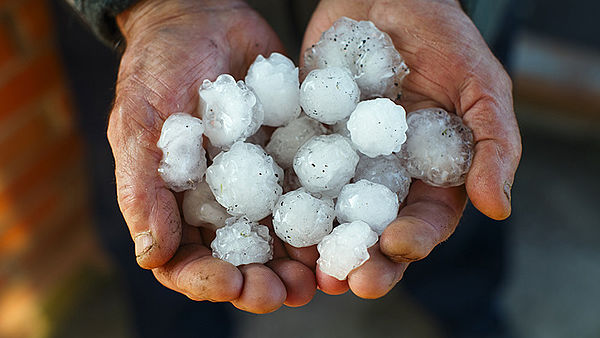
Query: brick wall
45, 236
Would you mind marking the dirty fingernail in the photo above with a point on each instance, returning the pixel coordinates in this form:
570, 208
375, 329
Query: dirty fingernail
143, 243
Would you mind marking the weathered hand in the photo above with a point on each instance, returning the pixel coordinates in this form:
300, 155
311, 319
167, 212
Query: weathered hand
451, 67
172, 46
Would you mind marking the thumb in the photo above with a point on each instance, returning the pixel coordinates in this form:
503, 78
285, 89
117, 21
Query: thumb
149, 208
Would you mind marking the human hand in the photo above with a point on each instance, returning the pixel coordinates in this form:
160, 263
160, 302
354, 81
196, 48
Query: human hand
172, 46
451, 67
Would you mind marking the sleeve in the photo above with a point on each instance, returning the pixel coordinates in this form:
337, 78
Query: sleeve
100, 16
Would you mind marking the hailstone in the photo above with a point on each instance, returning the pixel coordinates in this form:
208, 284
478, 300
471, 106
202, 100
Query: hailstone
325, 164
230, 111
275, 82
200, 208
184, 159
345, 249
329, 95
386, 170
243, 242
301, 219
244, 180
369, 202
438, 148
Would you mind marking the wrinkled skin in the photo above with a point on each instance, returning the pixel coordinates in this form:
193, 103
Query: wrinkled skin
172, 46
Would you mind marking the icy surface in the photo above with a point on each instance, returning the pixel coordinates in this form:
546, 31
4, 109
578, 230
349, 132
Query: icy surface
275, 82
230, 111
378, 127
201, 209
301, 219
369, 202
366, 51
243, 242
345, 249
286, 141
184, 160
329, 95
439, 147
325, 164
386, 170
244, 180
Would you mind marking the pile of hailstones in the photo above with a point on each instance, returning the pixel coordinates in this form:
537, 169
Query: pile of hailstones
326, 138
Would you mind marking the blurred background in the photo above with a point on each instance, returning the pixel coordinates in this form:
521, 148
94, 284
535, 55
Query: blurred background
67, 267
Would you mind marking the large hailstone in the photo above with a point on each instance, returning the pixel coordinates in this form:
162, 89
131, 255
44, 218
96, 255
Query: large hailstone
201, 209
301, 219
243, 242
438, 148
329, 95
230, 111
366, 51
275, 82
184, 159
369, 202
386, 170
325, 164
245, 180
286, 141
345, 249
378, 127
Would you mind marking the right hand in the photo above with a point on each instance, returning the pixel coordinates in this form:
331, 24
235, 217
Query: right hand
172, 46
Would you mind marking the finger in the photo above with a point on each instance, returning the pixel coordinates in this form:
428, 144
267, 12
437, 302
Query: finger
149, 208
430, 216
307, 256
263, 291
299, 281
331, 285
198, 275
376, 277
489, 113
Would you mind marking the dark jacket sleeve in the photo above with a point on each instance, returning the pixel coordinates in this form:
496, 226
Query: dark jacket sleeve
100, 16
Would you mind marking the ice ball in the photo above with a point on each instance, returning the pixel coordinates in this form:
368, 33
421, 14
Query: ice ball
385, 170
244, 180
324, 164
184, 160
369, 202
301, 219
243, 242
438, 148
201, 209
329, 95
275, 82
230, 111
378, 127
286, 141
345, 249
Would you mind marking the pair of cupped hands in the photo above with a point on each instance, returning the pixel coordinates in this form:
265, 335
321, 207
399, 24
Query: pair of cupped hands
173, 45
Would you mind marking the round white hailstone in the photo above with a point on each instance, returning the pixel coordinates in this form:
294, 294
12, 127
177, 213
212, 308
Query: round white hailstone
369, 202
201, 209
366, 51
275, 82
184, 160
341, 128
345, 249
438, 148
230, 111
245, 181
329, 95
325, 164
378, 127
301, 219
286, 141
243, 242
386, 170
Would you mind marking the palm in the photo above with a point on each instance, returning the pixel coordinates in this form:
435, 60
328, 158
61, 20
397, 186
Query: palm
160, 73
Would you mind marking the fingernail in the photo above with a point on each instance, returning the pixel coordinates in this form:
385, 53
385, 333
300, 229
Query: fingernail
507, 189
143, 243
